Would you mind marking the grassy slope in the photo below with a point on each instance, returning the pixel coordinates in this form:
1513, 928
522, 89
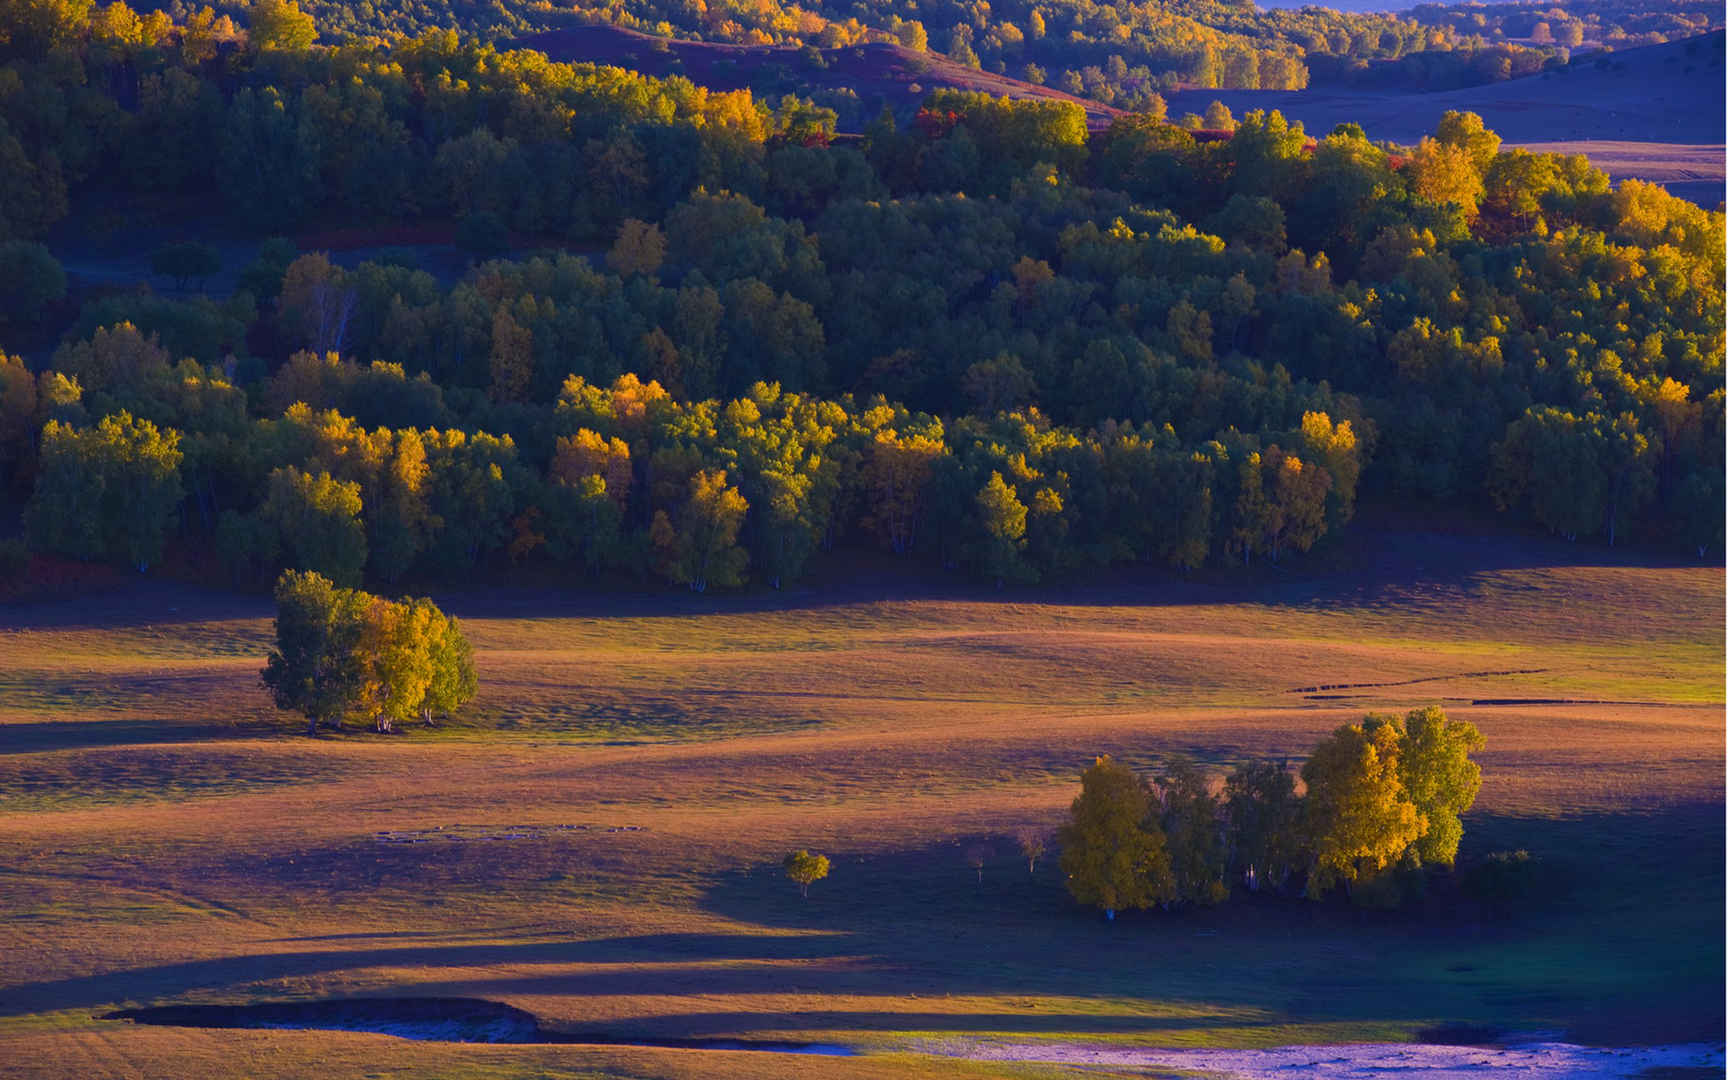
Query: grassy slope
163, 839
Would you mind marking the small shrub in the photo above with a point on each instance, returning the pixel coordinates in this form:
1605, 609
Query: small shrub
1507, 881
14, 560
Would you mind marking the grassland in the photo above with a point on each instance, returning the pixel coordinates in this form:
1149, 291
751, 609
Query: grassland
597, 844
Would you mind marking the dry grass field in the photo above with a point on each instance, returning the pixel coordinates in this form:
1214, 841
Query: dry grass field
598, 843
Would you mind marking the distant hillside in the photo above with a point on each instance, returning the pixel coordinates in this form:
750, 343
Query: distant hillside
1660, 93
878, 74
1661, 106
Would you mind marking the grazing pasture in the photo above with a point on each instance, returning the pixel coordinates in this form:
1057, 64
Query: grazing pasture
599, 843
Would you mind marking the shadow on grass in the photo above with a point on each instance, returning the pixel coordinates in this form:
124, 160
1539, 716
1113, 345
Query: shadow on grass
1616, 963
52, 735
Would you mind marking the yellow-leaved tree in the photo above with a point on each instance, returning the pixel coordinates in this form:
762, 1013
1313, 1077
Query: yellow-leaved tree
1360, 819
1113, 855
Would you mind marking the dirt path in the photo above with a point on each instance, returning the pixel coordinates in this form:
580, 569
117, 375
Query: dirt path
1365, 1061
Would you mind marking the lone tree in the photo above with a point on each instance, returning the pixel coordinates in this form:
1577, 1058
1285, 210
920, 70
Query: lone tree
1112, 850
1033, 841
805, 868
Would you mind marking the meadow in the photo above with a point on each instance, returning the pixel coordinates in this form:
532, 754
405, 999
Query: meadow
598, 843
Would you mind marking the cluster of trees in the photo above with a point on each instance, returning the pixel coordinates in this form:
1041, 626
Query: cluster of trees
1610, 23
991, 336
628, 480
1381, 800
345, 655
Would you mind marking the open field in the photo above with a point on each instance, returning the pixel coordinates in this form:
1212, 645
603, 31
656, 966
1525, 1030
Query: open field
598, 844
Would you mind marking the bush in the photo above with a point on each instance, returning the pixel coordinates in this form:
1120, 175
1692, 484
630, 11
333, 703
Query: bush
183, 262
1506, 881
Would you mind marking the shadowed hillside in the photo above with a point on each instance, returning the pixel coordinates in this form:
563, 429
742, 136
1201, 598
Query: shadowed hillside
879, 74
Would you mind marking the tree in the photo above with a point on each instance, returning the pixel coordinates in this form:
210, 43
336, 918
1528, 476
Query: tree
806, 869
183, 262
1438, 776
453, 682
1190, 822
1112, 855
106, 492
30, 280
1218, 118
317, 303
639, 249
703, 548
976, 856
1444, 173
19, 418
317, 518
1466, 131
512, 359
396, 654
1264, 819
1033, 840
1003, 520
279, 24
317, 667
1358, 816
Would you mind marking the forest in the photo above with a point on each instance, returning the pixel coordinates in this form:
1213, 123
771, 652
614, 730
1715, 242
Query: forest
991, 339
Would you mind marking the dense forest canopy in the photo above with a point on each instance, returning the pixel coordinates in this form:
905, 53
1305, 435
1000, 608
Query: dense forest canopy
992, 338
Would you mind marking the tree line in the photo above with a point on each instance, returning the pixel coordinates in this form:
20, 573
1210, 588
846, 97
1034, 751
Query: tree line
1381, 799
628, 481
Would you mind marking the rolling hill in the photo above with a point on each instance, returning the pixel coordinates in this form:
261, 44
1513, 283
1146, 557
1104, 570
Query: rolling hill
879, 74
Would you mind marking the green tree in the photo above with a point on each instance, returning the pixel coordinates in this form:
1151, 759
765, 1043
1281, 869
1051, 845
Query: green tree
1189, 817
317, 667
805, 868
30, 280
1264, 819
183, 262
106, 492
318, 520
1112, 854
